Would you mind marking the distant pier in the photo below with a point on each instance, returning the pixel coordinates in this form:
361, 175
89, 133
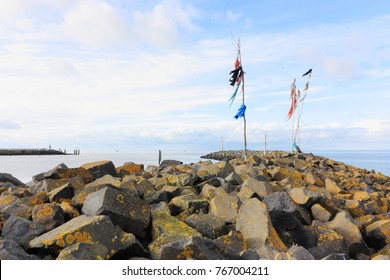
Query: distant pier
35, 152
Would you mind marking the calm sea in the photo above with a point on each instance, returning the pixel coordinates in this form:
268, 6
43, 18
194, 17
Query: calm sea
24, 167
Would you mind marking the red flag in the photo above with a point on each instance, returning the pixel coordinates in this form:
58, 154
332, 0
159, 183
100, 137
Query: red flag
293, 100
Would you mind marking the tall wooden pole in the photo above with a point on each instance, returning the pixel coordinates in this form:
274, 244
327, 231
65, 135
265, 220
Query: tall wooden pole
243, 95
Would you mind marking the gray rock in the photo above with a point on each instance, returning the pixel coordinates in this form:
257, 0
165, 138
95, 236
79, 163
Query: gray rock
207, 224
378, 234
125, 210
343, 224
304, 197
300, 253
51, 174
320, 213
281, 201
169, 162
21, 230
48, 215
160, 208
291, 231
84, 251
234, 179
157, 196
234, 240
196, 248
191, 203
10, 250
328, 242
252, 187
93, 230
250, 254
61, 193
225, 208
79, 199
6, 177
255, 225
100, 168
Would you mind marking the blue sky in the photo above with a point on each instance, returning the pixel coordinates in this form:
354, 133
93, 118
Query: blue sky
106, 75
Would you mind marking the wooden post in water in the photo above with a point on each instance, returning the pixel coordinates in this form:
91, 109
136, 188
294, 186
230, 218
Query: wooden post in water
265, 143
159, 157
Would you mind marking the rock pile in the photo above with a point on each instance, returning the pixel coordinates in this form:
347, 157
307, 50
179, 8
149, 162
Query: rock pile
279, 206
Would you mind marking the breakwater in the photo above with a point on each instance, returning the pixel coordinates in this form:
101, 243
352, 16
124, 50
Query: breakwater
278, 206
30, 152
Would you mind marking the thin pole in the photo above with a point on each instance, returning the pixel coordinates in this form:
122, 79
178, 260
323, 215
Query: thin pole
292, 133
243, 95
265, 143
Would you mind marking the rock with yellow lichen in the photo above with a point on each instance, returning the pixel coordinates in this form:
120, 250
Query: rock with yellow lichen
100, 168
196, 248
129, 168
92, 230
208, 225
49, 215
125, 210
254, 223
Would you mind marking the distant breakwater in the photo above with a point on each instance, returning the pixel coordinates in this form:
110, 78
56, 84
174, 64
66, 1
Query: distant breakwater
274, 206
33, 152
231, 154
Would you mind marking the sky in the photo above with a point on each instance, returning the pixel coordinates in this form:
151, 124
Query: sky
130, 74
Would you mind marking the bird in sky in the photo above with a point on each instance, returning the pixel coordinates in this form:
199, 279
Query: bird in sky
307, 73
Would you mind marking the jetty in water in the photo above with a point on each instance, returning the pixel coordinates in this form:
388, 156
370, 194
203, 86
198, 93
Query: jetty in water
35, 152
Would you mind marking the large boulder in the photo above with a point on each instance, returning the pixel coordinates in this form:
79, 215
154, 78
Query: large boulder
84, 251
62, 193
6, 177
344, 224
234, 240
51, 174
328, 242
192, 204
282, 202
49, 215
129, 168
304, 197
93, 230
225, 208
169, 162
100, 168
47, 185
11, 250
291, 231
378, 233
125, 210
207, 224
255, 225
79, 199
21, 230
252, 187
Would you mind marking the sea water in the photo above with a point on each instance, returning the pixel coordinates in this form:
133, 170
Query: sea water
24, 167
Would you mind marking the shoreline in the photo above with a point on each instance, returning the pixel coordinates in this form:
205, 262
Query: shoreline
278, 206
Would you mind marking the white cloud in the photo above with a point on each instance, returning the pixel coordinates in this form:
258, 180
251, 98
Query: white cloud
373, 127
162, 25
95, 24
